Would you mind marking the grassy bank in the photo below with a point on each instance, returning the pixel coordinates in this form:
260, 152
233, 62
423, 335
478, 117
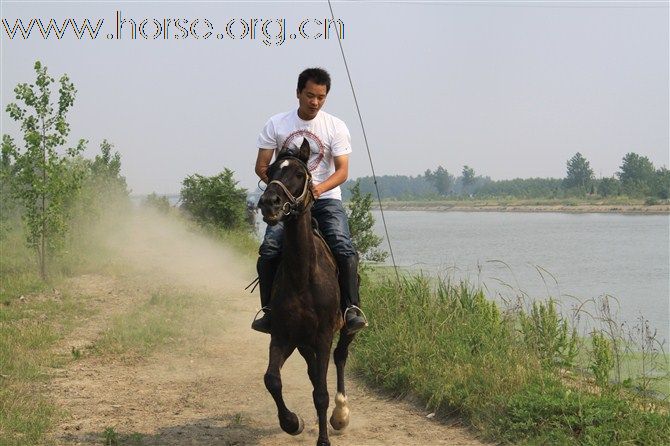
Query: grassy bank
512, 375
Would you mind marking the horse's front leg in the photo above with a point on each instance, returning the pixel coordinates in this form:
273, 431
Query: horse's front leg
310, 359
320, 394
279, 351
340, 417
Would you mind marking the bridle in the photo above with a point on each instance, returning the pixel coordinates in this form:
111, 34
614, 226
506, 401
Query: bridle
293, 203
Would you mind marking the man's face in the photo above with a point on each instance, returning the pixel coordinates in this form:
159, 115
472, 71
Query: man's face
311, 99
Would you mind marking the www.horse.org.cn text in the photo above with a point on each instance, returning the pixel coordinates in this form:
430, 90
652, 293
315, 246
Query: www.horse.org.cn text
270, 32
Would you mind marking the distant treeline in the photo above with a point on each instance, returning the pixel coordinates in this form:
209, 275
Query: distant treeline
637, 178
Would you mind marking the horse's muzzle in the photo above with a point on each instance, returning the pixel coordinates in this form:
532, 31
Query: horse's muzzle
270, 206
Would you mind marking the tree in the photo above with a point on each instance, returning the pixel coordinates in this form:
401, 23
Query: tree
467, 181
468, 176
7, 204
579, 174
661, 186
42, 182
608, 187
103, 189
636, 174
441, 179
215, 200
361, 223
106, 169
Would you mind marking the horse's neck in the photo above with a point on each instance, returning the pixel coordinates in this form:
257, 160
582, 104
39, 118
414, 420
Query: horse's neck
298, 245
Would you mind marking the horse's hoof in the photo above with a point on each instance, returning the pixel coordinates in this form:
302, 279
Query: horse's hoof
340, 417
301, 426
339, 423
323, 443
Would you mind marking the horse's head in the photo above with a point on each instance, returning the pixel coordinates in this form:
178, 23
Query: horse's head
288, 191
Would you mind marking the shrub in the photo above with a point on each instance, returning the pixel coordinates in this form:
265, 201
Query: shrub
215, 200
549, 335
602, 359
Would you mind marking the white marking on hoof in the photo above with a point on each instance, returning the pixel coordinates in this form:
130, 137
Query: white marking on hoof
301, 426
340, 417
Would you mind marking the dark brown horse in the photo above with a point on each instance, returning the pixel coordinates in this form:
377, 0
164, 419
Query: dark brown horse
305, 301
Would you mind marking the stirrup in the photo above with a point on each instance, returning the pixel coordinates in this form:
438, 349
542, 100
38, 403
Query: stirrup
352, 307
263, 324
263, 309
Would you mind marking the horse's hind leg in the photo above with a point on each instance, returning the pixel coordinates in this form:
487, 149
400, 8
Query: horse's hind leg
289, 422
340, 417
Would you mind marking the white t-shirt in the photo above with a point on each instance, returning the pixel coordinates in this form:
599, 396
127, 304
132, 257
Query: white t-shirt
327, 135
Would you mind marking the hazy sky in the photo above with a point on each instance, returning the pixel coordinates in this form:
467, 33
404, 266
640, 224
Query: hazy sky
512, 89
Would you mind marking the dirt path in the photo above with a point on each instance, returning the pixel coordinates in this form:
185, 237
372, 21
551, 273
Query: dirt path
210, 391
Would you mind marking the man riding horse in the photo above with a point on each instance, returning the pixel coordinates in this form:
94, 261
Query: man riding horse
330, 146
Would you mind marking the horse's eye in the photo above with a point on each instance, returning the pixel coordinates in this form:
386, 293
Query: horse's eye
300, 175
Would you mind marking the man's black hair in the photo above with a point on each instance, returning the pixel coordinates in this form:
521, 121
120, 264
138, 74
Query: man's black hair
317, 75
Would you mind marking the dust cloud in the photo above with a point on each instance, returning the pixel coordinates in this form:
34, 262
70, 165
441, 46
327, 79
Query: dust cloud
169, 249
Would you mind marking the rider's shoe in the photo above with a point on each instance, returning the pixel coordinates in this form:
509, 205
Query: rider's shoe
353, 321
263, 324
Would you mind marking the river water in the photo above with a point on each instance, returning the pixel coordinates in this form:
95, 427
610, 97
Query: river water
516, 254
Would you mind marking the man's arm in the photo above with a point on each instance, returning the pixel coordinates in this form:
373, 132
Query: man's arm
338, 177
263, 163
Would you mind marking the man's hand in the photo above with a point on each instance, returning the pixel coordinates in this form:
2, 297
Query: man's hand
263, 162
317, 190
337, 178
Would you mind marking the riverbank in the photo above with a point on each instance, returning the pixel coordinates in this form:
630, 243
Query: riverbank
563, 206
517, 374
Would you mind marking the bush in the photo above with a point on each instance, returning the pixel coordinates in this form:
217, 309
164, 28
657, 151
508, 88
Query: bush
602, 361
215, 200
550, 336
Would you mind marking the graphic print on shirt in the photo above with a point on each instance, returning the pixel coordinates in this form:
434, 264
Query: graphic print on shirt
316, 146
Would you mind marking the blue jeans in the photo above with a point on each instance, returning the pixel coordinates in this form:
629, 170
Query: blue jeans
333, 224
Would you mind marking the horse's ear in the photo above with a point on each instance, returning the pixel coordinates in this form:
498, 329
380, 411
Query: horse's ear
283, 152
305, 151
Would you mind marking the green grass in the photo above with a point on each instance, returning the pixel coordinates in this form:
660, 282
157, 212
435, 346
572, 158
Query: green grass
460, 353
160, 320
241, 241
29, 327
33, 317
549, 413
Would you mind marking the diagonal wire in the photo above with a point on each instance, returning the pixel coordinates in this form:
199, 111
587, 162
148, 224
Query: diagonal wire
367, 146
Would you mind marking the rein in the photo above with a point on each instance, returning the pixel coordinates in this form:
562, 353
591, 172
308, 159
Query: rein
294, 203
